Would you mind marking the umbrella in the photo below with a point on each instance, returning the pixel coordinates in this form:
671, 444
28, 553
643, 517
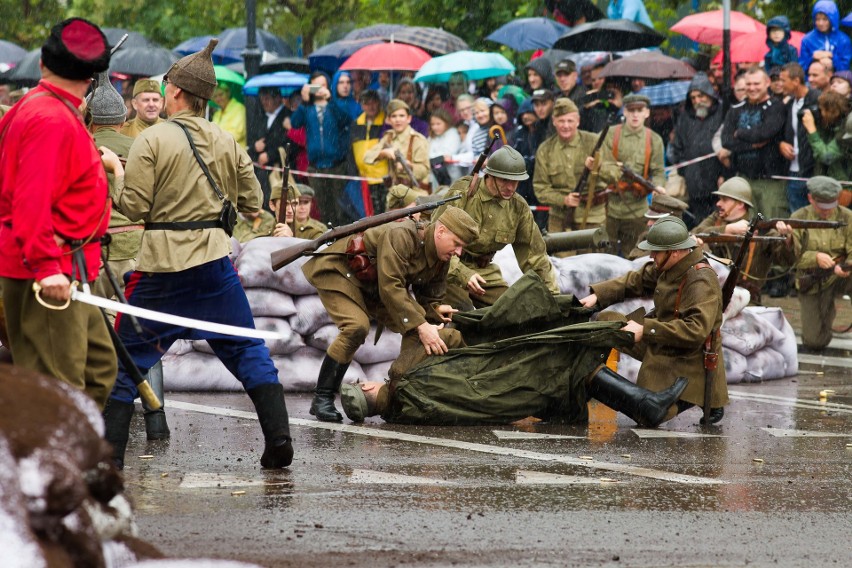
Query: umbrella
142, 61
706, 27
294, 64
287, 81
232, 43
434, 40
387, 57
27, 71
380, 31
475, 65
609, 35
751, 48
331, 56
666, 94
234, 80
589, 58
524, 34
648, 65
11, 53
134, 39
572, 11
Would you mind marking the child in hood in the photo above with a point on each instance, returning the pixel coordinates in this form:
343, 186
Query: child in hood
777, 40
826, 39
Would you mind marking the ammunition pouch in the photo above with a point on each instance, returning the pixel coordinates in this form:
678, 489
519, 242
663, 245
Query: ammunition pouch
362, 265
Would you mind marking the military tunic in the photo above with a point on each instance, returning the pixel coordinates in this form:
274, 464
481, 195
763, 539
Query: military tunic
405, 256
250, 229
502, 222
672, 345
559, 165
124, 244
818, 309
310, 229
418, 157
135, 127
625, 211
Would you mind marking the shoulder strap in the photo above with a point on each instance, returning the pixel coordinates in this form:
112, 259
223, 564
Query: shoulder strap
697, 266
616, 138
201, 163
410, 148
647, 152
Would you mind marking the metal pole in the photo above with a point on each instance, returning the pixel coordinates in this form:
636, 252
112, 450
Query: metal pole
251, 60
726, 60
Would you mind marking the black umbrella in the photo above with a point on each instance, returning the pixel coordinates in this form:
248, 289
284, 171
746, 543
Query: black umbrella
11, 53
294, 64
142, 61
27, 71
381, 31
609, 35
573, 11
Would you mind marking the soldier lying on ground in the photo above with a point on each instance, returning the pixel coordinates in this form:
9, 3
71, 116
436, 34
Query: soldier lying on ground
497, 375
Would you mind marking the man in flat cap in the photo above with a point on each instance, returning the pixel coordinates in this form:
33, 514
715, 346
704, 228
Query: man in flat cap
147, 101
661, 206
368, 276
175, 173
297, 215
560, 161
566, 79
54, 200
401, 139
641, 149
822, 256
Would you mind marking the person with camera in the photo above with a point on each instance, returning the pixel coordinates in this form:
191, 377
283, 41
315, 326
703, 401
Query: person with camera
825, 125
601, 105
184, 178
795, 147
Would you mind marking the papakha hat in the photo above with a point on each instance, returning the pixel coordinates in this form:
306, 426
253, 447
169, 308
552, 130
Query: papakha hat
459, 223
194, 73
106, 105
76, 49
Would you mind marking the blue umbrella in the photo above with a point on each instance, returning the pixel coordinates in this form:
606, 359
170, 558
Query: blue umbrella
524, 34
330, 57
287, 81
474, 64
11, 53
232, 43
668, 93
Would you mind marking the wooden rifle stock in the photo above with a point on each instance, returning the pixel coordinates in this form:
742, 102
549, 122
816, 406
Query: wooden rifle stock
479, 163
584, 178
627, 172
801, 224
711, 238
407, 167
283, 203
283, 257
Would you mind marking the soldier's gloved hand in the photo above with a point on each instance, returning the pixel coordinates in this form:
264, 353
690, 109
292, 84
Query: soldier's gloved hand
474, 285
589, 301
430, 338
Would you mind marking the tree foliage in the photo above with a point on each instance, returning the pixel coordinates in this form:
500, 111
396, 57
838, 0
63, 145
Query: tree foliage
28, 22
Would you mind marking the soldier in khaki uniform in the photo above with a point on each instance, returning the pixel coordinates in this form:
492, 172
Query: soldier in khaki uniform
661, 206
183, 266
413, 147
298, 221
147, 101
687, 312
560, 161
826, 249
734, 213
368, 275
638, 147
504, 218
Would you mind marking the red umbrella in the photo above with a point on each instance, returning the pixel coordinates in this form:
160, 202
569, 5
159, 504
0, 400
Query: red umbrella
752, 48
387, 57
706, 27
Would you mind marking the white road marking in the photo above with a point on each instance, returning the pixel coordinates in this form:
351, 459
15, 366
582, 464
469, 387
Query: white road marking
646, 433
203, 480
782, 433
461, 445
528, 477
791, 402
383, 478
515, 435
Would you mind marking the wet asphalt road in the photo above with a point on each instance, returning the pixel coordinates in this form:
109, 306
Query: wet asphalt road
602, 495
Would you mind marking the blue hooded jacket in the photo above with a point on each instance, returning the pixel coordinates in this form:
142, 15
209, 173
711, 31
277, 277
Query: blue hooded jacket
349, 103
835, 40
328, 142
780, 53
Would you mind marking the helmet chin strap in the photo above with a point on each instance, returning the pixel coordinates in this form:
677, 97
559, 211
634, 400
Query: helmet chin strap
662, 266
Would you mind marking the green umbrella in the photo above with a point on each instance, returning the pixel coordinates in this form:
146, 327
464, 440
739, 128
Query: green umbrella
234, 80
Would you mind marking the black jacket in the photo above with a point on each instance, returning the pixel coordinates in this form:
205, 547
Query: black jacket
806, 155
747, 125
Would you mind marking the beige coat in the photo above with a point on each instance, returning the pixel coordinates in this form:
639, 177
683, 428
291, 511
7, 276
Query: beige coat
419, 160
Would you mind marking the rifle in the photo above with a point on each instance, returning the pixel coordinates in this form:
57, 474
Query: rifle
494, 132
713, 238
283, 257
817, 275
584, 179
711, 357
635, 178
283, 203
801, 224
412, 183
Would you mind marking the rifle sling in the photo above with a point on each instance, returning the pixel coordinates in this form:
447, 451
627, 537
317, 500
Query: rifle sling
617, 138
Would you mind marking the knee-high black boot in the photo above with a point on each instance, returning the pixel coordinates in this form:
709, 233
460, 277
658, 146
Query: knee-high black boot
328, 384
156, 427
272, 413
645, 407
117, 416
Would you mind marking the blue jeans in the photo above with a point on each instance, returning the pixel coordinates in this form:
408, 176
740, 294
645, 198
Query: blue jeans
797, 194
211, 292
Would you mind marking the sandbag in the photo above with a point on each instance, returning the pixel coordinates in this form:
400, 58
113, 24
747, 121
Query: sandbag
268, 302
310, 315
369, 353
180, 347
747, 333
764, 365
197, 371
735, 366
255, 268
377, 371
290, 343
786, 346
298, 371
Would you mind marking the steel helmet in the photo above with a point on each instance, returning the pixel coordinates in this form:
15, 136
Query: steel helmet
669, 233
507, 163
736, 188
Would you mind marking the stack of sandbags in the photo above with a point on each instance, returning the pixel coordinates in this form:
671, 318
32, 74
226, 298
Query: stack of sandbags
759, 343
283, 301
